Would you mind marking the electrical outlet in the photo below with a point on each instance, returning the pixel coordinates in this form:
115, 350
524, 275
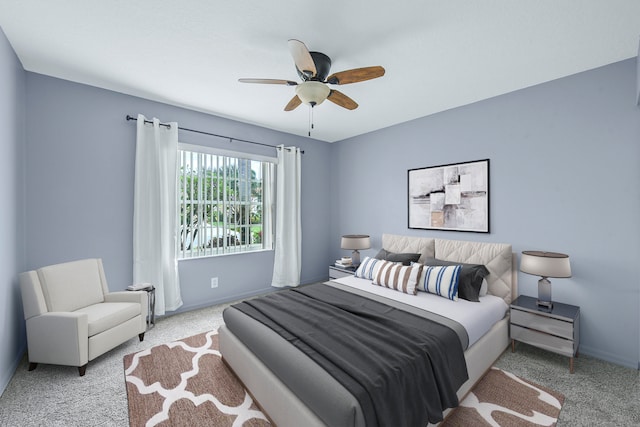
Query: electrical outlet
214, 282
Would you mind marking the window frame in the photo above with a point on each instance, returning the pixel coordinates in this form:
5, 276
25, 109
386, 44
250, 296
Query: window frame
227, 159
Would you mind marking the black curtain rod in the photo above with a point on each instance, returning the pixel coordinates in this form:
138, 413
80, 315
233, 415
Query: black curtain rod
231, 139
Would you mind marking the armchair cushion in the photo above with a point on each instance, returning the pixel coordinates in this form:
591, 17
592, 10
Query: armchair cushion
32, 297
107, 315
72, 285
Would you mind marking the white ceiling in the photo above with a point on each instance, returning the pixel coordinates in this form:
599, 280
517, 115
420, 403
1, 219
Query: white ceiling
437, 54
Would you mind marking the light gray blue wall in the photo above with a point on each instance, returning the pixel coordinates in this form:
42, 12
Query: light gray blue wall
12, 113
638, 76
80, 163
564, 177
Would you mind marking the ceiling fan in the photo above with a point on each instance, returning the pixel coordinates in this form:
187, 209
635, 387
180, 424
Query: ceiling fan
313, 68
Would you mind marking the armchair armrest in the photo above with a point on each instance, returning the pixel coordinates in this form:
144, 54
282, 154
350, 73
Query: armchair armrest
140, 297
127, 296
59, 338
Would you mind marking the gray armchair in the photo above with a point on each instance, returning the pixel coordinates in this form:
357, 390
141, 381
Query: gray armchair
72, 317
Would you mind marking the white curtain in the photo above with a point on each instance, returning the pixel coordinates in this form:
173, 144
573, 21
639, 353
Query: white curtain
288, 230
155, 212
268, 180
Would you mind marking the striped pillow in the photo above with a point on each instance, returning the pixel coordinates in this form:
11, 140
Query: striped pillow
403, 278
441, 280
368, 268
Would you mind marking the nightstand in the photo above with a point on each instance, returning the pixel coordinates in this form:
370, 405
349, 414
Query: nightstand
557, 329
338, 272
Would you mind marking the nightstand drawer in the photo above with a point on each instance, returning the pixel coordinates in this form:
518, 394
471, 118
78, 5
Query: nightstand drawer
542, 340
337, 272
542, 323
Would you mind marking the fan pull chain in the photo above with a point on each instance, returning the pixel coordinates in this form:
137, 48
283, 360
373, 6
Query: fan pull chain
310, 119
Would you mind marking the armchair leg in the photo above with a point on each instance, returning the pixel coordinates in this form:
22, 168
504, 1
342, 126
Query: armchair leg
141, 336
82, 369
32, 366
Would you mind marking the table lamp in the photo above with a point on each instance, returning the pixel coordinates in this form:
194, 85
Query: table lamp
545, 264
355, 242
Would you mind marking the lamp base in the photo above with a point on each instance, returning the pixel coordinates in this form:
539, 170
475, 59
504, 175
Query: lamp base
355, 258
544, 294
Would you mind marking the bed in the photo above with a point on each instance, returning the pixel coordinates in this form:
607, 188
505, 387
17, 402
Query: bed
294, 390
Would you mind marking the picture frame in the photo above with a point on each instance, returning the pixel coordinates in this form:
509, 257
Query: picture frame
452, 197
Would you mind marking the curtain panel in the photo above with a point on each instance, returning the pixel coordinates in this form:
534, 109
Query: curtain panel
288, 228
154, 212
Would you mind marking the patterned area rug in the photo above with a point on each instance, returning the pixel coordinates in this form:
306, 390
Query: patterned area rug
185, 383
503, 399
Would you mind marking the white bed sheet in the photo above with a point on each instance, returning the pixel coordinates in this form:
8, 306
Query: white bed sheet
476, 317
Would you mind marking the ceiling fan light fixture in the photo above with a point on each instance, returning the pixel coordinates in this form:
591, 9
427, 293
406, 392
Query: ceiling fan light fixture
313, 68
312, 93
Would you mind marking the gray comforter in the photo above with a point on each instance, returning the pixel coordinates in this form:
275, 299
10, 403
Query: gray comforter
403, 369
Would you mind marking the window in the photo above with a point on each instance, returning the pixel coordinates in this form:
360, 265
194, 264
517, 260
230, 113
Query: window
224, 202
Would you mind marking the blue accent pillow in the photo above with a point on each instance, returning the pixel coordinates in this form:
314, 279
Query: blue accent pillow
441, 280
471, 277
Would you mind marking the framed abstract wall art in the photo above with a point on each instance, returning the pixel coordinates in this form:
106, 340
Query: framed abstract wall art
452, 197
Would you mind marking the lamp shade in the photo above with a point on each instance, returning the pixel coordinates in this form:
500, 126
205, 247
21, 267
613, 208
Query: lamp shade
355, 241
545, 264
312, 92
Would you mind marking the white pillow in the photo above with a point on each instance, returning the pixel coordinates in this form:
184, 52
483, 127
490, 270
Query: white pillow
441, 280
403, 278
484, 288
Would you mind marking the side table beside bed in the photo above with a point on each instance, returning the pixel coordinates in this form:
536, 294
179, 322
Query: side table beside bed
556, 329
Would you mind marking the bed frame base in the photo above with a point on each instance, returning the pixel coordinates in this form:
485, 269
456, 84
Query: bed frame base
276, 400
286, 409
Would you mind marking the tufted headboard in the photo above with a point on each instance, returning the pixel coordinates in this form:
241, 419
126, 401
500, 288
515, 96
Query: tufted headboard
497, 257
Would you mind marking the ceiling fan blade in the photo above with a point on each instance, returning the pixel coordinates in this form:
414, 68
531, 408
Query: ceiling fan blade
293, 104
355, 75
342, 100
302, 58
269, 81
